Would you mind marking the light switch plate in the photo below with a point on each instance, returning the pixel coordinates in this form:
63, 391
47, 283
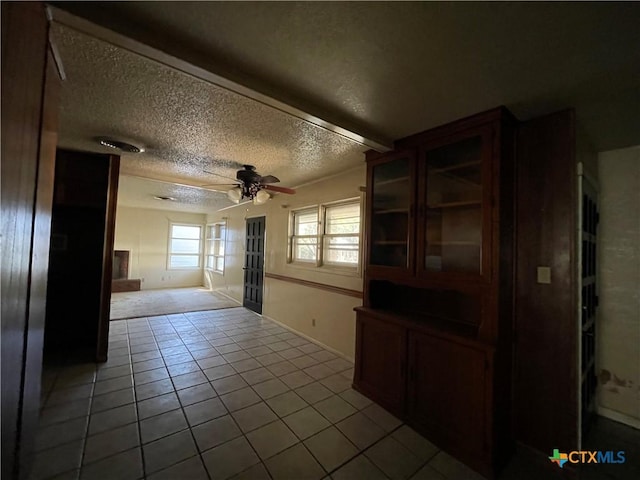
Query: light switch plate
544, 275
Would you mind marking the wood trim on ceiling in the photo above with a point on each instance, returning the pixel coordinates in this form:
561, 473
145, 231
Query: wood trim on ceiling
320, 286
84, 26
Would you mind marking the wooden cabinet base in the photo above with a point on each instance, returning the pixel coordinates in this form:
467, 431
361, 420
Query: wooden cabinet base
442, 385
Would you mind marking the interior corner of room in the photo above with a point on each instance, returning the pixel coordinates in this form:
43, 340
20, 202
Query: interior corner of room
475, 254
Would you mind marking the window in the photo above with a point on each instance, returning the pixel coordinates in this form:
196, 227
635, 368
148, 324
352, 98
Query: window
305, 236
185, 246
326, 235
341, 242
216, 236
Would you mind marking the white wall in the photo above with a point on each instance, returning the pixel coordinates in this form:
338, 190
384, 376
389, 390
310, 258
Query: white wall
618, 333
145, 233
295, 305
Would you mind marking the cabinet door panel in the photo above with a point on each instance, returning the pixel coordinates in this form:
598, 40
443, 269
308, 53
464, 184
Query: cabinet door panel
455, 216
381, 352
391, 209
447, 395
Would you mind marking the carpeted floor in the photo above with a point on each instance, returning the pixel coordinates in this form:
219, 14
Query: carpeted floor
147, 303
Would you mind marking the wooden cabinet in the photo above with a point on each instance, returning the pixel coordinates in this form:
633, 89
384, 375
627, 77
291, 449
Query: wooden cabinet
381, 372
447, 392
435, 333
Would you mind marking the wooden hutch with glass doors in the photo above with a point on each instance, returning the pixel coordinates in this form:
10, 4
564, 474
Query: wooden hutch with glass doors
434, 336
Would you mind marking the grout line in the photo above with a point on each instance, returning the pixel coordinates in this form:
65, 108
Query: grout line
135, 402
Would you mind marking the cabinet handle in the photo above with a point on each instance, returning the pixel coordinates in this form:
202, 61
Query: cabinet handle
403, 368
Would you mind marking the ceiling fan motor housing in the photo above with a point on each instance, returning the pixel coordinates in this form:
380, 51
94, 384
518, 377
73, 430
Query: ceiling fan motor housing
248, 175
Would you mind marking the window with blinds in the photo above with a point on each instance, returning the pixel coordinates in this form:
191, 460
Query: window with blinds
341, 239
326, 235
304, 241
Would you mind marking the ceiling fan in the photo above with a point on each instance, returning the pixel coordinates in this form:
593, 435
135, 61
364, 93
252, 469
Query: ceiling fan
250, 184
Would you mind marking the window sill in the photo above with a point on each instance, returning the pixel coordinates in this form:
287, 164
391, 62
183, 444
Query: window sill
221, 273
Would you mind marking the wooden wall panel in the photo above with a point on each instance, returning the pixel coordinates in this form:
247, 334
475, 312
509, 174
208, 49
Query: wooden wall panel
40, 260
80, 262
545, 387
24, 53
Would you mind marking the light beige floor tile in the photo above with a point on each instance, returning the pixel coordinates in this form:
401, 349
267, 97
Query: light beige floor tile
271, 439
306, 422
331, 448
123, 466
168, 451
229, 459
396, 461
295, 463
215, 432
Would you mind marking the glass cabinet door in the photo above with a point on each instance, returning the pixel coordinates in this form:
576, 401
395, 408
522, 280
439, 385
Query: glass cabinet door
453, 216
391, 198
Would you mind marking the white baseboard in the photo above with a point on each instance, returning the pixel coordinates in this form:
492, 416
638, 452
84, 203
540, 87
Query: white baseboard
228, 296
618, 417
311, 339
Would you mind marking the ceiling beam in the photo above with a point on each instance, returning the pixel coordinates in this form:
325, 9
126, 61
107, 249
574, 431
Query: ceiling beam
121, 41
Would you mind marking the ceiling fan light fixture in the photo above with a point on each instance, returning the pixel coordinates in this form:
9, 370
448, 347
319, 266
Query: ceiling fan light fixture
235, 194
261, 197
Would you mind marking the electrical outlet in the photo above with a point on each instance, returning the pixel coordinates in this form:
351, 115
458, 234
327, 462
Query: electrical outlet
544, 275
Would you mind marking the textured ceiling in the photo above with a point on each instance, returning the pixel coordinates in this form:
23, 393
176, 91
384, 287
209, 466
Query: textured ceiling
383, 70
396, 68
140, 192
187, 127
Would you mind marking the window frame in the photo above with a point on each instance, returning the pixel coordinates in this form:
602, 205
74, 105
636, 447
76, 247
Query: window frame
322, 236
170, 246
292, 237
210, 252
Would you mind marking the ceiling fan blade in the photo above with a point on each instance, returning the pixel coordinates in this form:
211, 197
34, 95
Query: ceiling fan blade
218, 175
269, 179
273, 188
220, 185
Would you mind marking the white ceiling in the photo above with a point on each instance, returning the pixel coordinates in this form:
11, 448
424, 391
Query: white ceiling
382, 69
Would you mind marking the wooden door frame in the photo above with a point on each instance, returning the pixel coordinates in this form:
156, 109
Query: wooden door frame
102, 349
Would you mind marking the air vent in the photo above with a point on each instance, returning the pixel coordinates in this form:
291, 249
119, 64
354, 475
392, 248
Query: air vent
119, 145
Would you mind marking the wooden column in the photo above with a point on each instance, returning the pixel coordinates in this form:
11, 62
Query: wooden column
545, 386
29, 125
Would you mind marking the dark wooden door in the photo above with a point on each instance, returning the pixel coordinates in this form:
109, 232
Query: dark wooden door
253, 264
381, 354
446, 393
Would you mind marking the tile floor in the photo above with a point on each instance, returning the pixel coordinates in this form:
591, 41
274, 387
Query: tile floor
223, 394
